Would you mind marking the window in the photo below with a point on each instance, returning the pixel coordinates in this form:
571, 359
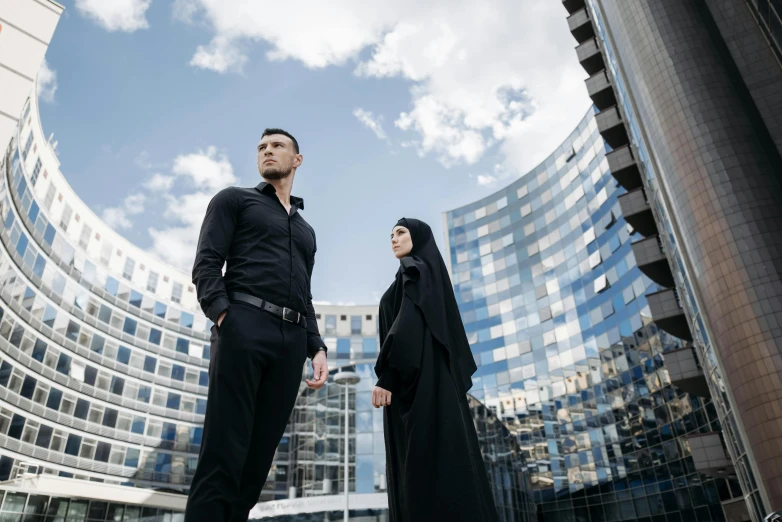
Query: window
343, 346
54, 400
127, 271
44, 436
155, 336
112, 286
173, 401
136, 298
98, 343
368, 318
65, 219
355, 324
178, 372
27, 146
186, 320
64, 364
144, 394
72, 446
49, 199
176, 293
17, 426
105, 253
117, 385
130, 326
102, 452
182, 345
36, 172
369, 345
28, 387
331, 323
123, 355
152, 281
82, 408
150, 363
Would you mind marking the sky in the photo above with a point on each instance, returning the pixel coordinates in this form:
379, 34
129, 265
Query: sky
401, 108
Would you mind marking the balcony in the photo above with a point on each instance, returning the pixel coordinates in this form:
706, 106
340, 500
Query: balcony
685, 372
590, 57
651, 260
637, 212
600, 90
581, 26
709, 454
668, 314
573, 5
624, 168
612, 127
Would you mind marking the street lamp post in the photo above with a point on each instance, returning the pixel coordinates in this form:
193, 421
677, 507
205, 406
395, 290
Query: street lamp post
348, 379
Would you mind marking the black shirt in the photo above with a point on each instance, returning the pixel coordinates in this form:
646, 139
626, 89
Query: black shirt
269, 253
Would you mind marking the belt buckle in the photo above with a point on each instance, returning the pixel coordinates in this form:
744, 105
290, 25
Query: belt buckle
285, 315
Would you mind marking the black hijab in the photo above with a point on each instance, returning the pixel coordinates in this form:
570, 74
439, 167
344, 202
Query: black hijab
424, 277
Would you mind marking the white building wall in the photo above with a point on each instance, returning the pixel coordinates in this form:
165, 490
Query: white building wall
26, 28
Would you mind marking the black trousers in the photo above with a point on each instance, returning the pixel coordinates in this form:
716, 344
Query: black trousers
254, 375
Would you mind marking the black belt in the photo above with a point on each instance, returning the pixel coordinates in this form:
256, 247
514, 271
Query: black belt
292, 316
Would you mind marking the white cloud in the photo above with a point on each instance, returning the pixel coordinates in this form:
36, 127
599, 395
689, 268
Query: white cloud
159, 183
483, 72
116, 15
486, 180
118, 217
203, 174
47, 82
372, 122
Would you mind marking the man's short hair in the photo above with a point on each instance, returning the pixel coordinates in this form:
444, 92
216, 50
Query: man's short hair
269, 132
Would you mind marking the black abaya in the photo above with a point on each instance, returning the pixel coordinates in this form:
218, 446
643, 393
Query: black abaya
433, 461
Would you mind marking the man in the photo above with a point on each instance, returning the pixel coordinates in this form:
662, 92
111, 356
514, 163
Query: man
264, 329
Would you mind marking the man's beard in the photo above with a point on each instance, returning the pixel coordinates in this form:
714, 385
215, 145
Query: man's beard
274, 173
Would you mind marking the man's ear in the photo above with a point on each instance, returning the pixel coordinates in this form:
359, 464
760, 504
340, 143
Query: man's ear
297, 161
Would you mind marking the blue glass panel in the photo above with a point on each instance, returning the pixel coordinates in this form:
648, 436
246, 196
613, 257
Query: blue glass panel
155, 336
48, 236
182, 345
130, 326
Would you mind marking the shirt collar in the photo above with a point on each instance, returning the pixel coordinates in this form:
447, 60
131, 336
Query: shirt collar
267, 188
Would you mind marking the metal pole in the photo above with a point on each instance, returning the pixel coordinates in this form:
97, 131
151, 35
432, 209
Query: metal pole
347, 451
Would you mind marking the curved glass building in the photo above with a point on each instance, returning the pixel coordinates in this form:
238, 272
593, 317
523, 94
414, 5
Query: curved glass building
104, 349
569, 358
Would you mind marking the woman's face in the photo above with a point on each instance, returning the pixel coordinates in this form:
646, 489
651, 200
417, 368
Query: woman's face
401, 242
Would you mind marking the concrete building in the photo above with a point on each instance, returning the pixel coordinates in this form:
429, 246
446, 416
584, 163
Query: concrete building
690, 101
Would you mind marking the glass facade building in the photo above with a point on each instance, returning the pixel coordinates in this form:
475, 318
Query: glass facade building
104, 350
569, 357
698, 147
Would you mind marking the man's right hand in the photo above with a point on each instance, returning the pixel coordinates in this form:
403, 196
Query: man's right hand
220, 318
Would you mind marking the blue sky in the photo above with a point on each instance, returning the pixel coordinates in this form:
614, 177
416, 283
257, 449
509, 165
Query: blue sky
400, 109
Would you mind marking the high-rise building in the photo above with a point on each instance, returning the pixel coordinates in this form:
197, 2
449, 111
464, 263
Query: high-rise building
689, 95
104, 352
569, 356
26, 28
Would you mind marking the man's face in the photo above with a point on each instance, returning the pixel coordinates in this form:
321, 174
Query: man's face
276, 157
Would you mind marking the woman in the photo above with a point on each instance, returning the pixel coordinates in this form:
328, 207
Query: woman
433, 461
